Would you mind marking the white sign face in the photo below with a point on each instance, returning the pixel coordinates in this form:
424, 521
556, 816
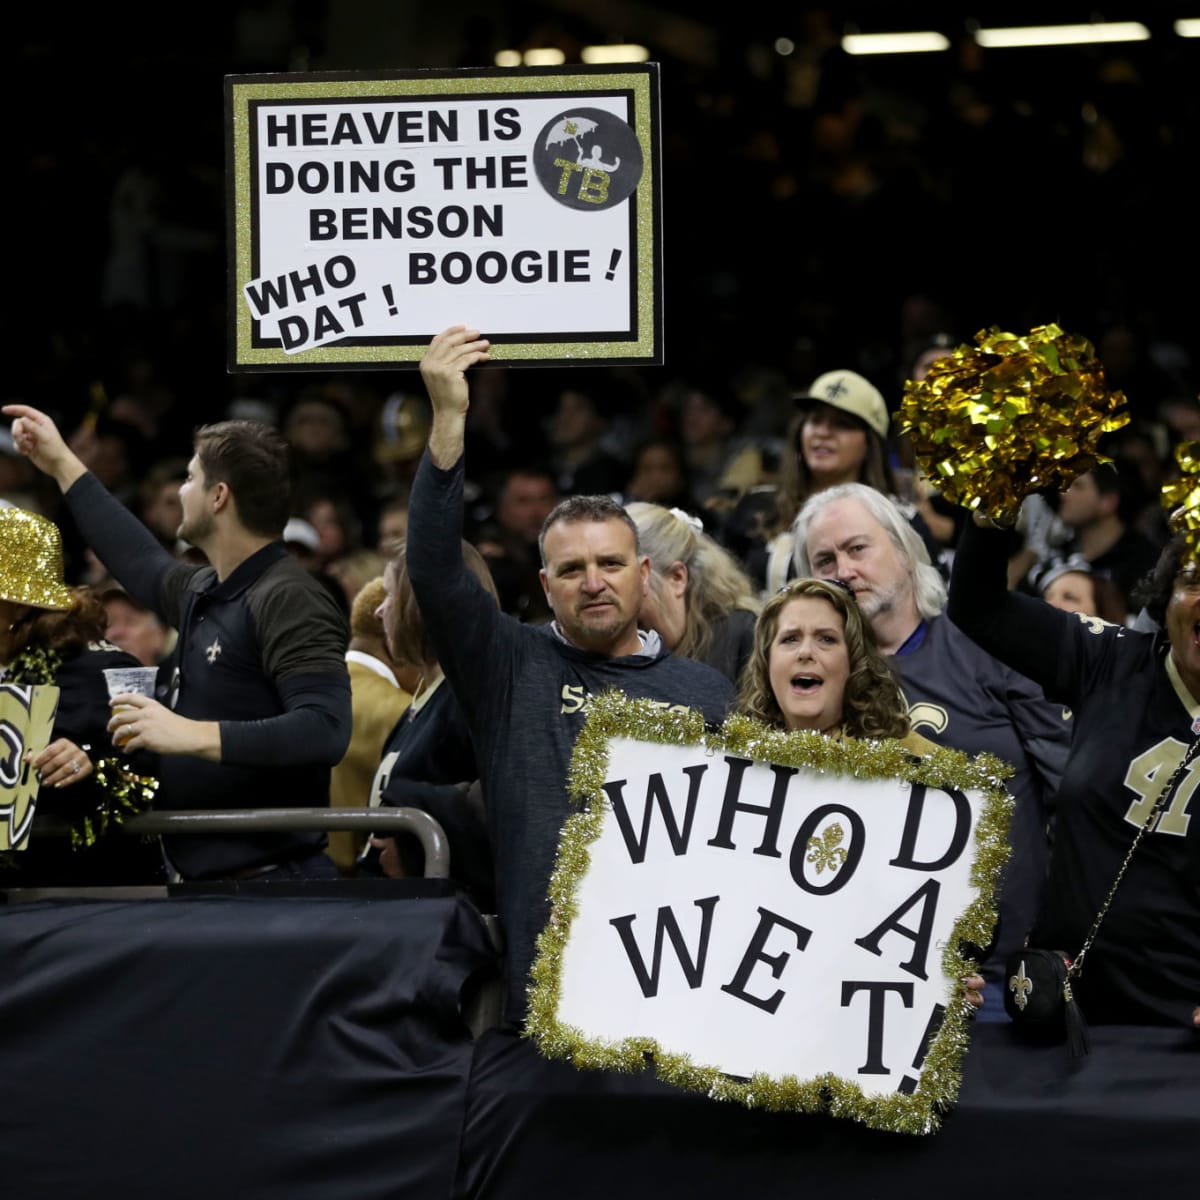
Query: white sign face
773, 923
370, 214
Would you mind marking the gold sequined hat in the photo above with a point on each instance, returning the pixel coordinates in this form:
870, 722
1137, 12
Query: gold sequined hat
31, 561
853, 394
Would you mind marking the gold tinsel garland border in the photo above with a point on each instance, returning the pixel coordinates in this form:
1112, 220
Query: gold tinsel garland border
612, 715
1181, 499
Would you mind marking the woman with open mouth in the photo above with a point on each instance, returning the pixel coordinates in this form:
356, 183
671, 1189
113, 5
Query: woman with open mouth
816, 666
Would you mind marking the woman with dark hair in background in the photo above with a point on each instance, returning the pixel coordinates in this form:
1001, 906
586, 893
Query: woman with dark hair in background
428, 761
659, 475
838, 436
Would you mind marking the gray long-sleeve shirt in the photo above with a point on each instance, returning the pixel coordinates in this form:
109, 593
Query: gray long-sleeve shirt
523, 689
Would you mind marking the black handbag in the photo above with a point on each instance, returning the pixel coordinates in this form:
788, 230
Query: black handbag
1038, 995
1039, 999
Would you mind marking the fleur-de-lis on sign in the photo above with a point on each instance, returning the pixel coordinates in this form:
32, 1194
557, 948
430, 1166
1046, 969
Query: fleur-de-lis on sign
826, 850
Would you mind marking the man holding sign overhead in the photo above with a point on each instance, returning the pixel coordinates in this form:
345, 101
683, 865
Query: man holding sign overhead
523, 688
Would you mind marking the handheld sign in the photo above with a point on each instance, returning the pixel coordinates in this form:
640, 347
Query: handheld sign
368, 213
26, 721
777, 919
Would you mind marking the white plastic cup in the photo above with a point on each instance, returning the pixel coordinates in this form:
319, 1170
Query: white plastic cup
123, 681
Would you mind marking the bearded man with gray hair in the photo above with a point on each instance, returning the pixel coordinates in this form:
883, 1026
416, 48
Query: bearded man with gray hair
958, 695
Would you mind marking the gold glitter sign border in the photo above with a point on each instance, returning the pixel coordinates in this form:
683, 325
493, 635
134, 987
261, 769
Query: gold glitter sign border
641, 81
612, 715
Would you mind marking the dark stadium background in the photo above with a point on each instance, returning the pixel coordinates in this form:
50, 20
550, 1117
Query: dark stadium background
819, 210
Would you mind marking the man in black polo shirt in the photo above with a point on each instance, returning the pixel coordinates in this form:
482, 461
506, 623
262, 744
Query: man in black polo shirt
258, 705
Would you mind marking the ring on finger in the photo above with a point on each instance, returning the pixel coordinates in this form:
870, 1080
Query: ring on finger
75, 767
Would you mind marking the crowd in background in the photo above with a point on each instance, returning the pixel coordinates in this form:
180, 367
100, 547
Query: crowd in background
738, 471
819, 211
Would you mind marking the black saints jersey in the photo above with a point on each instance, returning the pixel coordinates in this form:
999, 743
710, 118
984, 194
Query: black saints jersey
1134, 723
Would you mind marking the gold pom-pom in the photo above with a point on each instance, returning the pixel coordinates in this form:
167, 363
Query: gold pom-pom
122, 794
992, 423
1181, 498
35, 666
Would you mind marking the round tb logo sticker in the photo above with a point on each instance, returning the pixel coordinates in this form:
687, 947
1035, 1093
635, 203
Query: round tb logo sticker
588, 159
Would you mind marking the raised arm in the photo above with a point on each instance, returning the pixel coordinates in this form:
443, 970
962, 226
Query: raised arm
125, 546
444, 370
37, 437
470, 635
1024, 633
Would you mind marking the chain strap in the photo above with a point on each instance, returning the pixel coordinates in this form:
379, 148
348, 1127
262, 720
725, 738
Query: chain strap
1076, 968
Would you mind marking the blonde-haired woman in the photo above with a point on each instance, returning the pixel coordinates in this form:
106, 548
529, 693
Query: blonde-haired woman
701, 603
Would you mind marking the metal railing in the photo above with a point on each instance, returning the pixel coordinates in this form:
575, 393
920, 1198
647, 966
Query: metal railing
383, 820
